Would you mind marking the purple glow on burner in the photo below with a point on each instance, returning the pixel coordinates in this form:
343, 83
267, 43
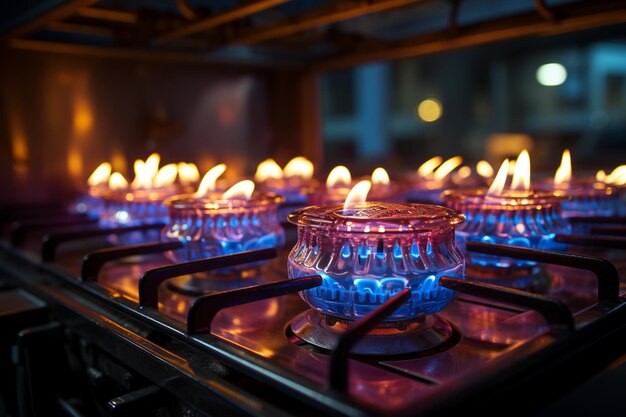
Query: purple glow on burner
129, 208
296, 183
370, 252
524, 219
214, 226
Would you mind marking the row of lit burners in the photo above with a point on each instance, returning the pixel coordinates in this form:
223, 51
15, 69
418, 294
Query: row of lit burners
363, 238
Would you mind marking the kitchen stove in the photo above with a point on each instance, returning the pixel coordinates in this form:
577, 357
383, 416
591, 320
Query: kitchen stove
366, 253
231, 349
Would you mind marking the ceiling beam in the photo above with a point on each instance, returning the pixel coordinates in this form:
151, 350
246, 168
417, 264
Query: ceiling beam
82, 29
575, 17
212, 22
43, 15
143, 54
334, 12
108, 15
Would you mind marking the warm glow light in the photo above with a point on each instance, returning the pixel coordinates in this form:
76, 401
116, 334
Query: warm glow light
143, 176
83, 119
117, 181
358, 194
152, 163
447, 167
552, 74
166, 175
241, 190
19, 146
601, 176
268, 169
208, 181
564, 171
339, 176
75, 162
429, 166
100, 175
521, 175
429, 110
188, 173
464, 172
299, 167
484, 169
512, 164
380, 177
497, 186
617, 176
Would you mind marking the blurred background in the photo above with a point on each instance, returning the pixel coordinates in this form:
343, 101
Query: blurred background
377, 83
490, 102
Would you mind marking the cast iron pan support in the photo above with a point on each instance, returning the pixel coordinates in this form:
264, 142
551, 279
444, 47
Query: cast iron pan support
205, 308
151, 280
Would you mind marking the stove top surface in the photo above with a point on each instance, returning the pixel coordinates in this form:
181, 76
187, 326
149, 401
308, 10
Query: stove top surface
491, 338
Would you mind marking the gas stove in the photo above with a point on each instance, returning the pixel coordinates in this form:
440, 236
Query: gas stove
143, 333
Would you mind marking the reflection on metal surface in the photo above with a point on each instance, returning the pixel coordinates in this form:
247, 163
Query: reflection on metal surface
489, 332
430, 334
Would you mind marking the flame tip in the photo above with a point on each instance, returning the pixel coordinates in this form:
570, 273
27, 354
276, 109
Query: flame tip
243, 189
339, 175
358, 194
380, 176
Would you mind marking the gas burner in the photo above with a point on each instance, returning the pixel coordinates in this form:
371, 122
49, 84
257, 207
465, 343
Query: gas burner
516, 218
339, 183
295, 183
431, 179
586, 198
366, 254
130, 208
424, 336
215, 226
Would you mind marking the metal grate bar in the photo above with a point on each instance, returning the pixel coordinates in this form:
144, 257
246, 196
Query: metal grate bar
151, 280
51, 242
340, 357
595, 241
205, 308
93, 262
609, 230
19, 230
605, 271
555, 312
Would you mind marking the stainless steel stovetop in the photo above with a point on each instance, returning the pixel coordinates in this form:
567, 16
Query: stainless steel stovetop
500, 336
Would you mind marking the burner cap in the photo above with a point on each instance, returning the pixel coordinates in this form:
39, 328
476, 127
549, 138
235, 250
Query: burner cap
372, 217
430, 335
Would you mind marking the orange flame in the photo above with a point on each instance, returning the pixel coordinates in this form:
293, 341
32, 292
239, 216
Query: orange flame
512, 164
299, 167
601, 176
339, 176
521, 175
100, 175
563, 173
188, 173
484, 169
380, 177
152, 163
497, 186
358, 194
117, 181
447, 167
268, 169
427, 168
617, 176
464, 172
208, 181
166, 175
241, 190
